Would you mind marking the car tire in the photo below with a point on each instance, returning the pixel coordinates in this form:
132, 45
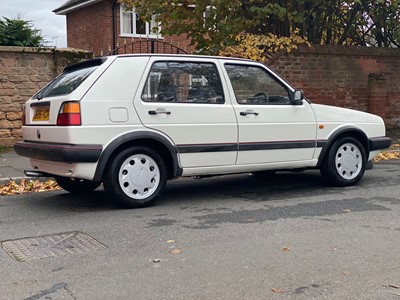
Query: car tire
135, 177
76, 185
345, 162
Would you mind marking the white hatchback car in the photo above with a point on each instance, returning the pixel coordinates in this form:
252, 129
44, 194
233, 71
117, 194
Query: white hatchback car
132, 122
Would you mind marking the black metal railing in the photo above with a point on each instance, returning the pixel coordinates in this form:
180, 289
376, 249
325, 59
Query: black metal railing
147, 46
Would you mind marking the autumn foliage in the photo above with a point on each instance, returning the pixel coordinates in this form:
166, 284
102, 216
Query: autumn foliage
214, 25
261, 47
394, 153
26, 186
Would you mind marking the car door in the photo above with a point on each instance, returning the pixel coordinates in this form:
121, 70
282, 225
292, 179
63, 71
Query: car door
271, 128
185, 99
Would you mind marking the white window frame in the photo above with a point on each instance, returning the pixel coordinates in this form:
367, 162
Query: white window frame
149, 33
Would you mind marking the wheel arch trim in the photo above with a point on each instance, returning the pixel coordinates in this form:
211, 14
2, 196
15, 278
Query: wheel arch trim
131, 137
335, 134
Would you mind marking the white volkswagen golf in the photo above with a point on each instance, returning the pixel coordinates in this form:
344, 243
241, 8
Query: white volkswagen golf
132, 122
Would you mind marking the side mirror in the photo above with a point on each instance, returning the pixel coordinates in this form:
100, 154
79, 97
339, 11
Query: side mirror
298, 97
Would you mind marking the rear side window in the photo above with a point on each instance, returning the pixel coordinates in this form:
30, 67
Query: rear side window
68, 81
183, 82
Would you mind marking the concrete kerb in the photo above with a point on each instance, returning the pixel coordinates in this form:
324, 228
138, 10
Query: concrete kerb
12, 165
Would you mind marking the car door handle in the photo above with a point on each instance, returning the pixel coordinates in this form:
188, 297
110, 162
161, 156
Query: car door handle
159, 111
248, 112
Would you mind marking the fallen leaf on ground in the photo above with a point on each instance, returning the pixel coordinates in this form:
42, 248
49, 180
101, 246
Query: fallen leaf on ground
176, 251
170, 241
278, 290
394, 286
286, 249
387, 156
345, 273
27, 186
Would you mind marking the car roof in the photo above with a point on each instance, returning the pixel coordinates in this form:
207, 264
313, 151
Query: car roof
182, 56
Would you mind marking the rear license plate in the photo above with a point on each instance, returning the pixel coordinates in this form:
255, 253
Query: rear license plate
41, 113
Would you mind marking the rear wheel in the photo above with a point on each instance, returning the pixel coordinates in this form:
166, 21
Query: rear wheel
136, 177
76, 185
345, 162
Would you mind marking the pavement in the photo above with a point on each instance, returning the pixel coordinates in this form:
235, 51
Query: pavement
12, 165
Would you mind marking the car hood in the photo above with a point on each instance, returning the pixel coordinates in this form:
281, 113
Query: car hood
326, 113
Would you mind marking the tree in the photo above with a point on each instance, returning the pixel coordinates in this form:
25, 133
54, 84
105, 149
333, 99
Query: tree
207, 23
18, 32
382, 23
215, 24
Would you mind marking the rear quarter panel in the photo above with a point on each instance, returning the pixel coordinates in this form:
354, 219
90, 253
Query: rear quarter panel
111, 97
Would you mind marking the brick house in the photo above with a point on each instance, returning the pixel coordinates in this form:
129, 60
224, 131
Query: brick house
101, 26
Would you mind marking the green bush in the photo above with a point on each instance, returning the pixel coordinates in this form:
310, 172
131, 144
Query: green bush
18, 32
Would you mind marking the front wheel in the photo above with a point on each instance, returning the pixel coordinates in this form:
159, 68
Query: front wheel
76, 185
136, 177
345, 162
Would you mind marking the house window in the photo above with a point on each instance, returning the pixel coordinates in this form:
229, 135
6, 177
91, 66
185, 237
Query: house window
133, 26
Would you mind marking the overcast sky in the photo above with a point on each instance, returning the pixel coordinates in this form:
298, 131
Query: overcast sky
40, 13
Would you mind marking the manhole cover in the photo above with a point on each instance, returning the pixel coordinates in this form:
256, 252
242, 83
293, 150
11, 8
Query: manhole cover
53, 245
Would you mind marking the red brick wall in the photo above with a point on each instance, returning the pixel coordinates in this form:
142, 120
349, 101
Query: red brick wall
90, 28
363, 78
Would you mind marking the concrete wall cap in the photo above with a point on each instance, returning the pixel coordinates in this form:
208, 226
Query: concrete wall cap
40, 49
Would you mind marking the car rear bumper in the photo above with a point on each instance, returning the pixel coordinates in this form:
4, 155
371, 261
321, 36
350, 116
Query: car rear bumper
379, 143
59, 152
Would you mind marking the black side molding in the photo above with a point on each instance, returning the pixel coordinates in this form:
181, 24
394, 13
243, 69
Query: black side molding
379, 143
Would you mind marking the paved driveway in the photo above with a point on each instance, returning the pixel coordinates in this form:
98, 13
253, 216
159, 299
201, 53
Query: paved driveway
231, 237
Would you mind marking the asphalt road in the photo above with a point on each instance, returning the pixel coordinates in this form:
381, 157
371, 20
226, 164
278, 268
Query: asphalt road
231, 237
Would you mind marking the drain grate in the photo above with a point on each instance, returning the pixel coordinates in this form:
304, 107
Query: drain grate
53, 245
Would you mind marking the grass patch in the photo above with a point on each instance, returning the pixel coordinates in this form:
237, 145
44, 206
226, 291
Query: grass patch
6, 148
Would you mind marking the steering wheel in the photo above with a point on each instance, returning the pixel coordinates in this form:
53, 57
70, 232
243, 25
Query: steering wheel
260, 97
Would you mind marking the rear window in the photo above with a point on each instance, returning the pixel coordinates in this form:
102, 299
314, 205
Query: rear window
66, 83
72, 77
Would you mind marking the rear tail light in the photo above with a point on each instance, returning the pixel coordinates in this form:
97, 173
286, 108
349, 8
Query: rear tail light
69, 114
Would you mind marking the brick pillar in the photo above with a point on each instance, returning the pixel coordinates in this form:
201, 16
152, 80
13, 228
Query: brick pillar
377, 94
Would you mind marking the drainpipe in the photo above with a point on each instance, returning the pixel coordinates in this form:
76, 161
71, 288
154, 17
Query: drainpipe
114, 25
